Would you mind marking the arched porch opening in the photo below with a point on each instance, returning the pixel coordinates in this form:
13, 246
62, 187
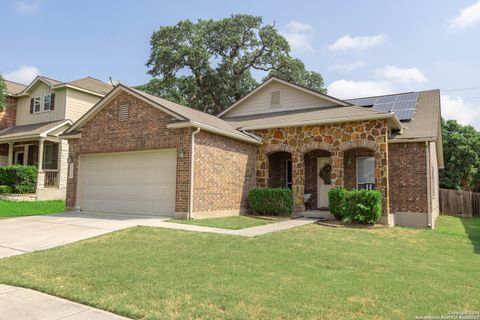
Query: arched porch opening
280, 170
318, 168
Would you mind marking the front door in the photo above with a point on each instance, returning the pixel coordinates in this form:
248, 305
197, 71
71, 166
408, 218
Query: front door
323, 181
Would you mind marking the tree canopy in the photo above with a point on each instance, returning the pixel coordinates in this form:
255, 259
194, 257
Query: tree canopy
3, 93
461, 150
208, 64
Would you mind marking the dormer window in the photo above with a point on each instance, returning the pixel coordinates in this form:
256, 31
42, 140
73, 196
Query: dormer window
37, 104
275, 98
47, 102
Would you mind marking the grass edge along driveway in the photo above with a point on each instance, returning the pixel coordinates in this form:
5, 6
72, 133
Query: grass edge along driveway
11, 209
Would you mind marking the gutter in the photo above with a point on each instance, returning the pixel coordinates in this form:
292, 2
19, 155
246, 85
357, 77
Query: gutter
188, 124
192, 168
429, 190
327, 121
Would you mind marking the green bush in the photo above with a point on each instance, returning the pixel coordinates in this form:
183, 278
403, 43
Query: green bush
275, 201
22, 179
336, 201
6, 189
364, 206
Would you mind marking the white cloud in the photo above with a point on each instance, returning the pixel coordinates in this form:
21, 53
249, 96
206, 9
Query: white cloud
26, 7
345, 89
347, 67
299, 36
457, 109
357, 43
468, 17
25, 74
407, 76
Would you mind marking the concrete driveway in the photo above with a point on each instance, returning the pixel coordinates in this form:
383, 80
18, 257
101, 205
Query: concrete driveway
28, 234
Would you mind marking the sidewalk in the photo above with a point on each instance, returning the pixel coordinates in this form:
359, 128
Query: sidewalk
25, 304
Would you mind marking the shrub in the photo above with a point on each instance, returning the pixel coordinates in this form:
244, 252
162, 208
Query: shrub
364, 206
336, 201
275, 201
6, 189
22, 179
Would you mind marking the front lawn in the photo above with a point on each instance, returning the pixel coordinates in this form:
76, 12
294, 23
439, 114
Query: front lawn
309, 272
10, 209
235, 223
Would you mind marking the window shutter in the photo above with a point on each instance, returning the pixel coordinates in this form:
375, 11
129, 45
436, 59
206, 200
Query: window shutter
31, 105
52, 101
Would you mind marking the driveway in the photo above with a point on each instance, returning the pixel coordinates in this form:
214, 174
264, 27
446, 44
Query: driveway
27, 234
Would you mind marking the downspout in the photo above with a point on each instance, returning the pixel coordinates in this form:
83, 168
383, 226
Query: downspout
192, 167
429, 192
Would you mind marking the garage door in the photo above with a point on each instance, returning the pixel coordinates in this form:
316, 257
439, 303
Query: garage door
132, 182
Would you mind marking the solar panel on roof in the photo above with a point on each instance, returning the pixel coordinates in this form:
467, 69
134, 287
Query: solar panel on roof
404, 105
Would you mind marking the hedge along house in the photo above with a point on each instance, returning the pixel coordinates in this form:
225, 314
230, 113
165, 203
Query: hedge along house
137, 153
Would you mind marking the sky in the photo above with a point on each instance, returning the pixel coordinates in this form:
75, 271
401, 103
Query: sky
361, 48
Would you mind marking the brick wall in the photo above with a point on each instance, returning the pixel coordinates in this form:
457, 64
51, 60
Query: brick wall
8, 115
145, 129
311, 176
408, 177
224, 173
350, 166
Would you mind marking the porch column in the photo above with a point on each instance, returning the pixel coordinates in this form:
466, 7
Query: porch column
40, 155
337, 169
10, 153
25, 154
298, 183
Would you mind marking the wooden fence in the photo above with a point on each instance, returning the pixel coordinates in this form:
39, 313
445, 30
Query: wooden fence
459, 203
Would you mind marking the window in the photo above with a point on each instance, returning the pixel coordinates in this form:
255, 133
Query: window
366, 173
50, 156
47, 102
37, 104
289, 173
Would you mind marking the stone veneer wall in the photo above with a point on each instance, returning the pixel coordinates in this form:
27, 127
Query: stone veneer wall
334, 138
223, 175
145, 129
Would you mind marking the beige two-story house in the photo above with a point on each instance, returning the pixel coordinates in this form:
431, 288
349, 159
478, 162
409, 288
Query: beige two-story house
35, 117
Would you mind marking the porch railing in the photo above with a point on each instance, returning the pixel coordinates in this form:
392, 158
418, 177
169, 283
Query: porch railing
52, 179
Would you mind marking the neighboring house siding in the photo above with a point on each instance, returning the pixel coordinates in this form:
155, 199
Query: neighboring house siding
408, 177
23, 108
145, 129
78, 103
291, 99
223, 175
8, 115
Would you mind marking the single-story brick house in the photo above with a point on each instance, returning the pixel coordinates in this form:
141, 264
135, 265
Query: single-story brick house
137, 153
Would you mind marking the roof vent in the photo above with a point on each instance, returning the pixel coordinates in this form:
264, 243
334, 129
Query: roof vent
123, 112
275, 98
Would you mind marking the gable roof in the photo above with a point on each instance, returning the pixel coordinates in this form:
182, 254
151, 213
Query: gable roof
87, 84
296, 86
14, 88
185, 117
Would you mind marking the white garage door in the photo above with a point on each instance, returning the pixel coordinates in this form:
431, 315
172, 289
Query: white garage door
131, 182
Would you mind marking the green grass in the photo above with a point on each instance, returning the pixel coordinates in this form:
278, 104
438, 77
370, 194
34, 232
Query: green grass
10, 209
235, 223
309, 272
